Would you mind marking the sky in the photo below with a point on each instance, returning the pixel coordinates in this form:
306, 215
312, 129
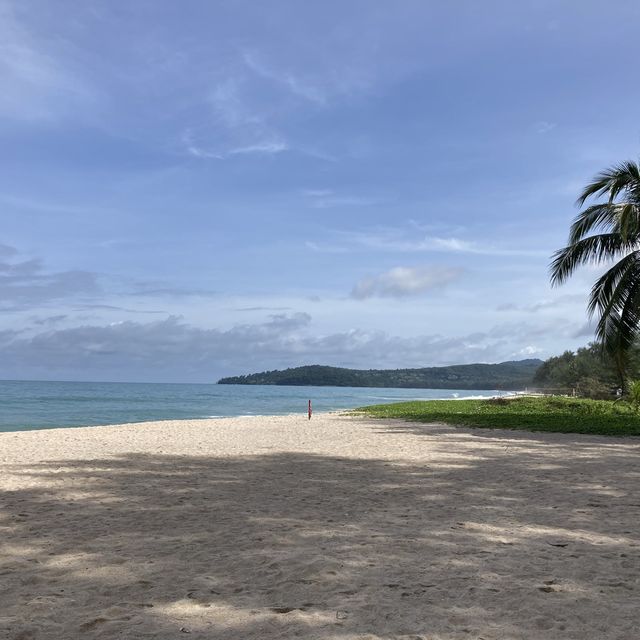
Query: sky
197, 189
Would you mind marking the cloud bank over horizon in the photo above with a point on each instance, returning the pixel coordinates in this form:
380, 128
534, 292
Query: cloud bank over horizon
171, 350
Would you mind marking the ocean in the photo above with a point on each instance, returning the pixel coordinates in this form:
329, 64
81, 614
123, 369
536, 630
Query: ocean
26, 405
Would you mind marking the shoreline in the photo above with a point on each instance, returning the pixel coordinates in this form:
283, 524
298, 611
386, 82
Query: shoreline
340, 411
339, 526
45, 405
174, 421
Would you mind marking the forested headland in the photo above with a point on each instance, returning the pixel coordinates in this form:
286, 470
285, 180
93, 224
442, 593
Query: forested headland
587, 372
513, 375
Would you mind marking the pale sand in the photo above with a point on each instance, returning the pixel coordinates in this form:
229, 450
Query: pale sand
340, 528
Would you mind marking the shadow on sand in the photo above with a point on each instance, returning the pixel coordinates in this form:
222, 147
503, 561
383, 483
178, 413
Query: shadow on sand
522, 539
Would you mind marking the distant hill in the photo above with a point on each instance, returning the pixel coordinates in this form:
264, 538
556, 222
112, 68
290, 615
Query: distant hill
516, 374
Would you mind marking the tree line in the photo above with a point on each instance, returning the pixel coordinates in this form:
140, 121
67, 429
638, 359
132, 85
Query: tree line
590, 372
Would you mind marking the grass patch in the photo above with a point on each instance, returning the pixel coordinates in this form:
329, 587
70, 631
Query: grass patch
549, 413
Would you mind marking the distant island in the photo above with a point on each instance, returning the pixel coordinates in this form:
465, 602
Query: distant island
512, 375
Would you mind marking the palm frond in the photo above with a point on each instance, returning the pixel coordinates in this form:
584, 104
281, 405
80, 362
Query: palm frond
612, 181
619, 330
619, 324
607, 294
591, 250
628, 223
598, 216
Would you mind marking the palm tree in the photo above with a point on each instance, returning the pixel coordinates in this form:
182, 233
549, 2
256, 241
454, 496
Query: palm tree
604, 233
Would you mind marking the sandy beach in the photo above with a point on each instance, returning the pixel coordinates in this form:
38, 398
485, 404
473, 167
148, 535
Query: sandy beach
338, 528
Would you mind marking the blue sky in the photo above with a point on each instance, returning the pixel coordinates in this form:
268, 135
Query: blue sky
190, 190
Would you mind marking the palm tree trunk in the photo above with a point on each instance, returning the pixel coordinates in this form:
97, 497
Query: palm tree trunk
621, 370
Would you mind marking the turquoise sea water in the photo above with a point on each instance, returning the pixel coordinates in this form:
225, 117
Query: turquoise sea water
43, 405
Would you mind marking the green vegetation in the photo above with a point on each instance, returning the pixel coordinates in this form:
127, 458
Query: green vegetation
550, 413
506, 375
634, 395
602, 233
590, 371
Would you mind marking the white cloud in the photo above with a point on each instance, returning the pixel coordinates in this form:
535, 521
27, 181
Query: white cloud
237, 128
407, 240
543, 305
293, 83
544, 127
328, 198
453, 244
405, 281
196, 151
230, 108
324, 248
530, 351
267, 146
